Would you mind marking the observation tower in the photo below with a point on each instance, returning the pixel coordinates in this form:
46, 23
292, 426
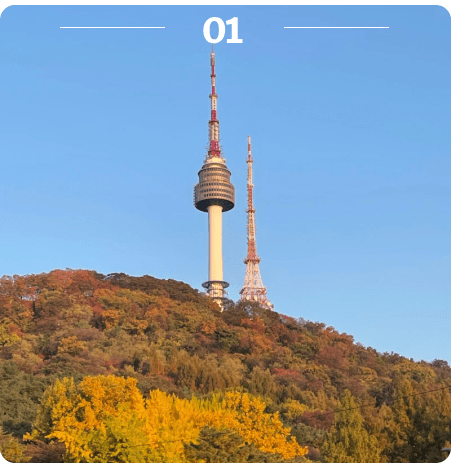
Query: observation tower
253, 289
214, 194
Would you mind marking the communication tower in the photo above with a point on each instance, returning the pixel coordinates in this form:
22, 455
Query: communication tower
214, 194
253, 289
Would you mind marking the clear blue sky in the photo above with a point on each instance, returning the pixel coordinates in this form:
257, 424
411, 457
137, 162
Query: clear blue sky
102, 133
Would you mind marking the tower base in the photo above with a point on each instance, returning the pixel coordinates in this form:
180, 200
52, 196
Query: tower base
216, 290
253, 289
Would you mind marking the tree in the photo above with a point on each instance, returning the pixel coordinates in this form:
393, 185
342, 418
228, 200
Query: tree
41, 452
245, 414
105, 419
262, 382
349, 442
19, 398
98, 420
421, 423
225, 446
122, 440
170, 337
12, 450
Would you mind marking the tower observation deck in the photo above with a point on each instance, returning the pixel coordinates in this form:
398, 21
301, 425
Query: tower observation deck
214, 194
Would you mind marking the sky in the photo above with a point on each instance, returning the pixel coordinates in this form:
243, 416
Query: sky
103, 131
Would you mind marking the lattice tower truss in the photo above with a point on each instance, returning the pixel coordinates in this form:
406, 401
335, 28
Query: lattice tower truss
253, 289
214, 194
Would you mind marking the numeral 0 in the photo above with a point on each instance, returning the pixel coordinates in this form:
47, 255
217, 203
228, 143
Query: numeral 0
233, 22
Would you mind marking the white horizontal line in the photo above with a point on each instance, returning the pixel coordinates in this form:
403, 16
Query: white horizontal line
112, 27
336, 27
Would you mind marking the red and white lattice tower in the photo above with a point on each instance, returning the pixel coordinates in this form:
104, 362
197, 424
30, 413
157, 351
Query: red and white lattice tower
253, 289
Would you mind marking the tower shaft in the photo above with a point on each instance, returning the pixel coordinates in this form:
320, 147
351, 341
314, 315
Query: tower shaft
215, 243
214, 194
253, 289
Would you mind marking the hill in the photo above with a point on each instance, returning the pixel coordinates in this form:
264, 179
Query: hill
168, 336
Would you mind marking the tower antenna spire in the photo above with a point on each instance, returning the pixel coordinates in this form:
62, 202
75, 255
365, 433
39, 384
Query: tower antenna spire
214, 194
213, 149
253, 289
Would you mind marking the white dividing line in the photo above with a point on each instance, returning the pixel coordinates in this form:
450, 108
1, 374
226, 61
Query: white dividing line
112, 27
336, 27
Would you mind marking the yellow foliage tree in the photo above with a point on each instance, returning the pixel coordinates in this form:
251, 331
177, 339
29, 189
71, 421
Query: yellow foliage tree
6, 337
77, 415
170, 422
245, 414
105, 419
12, 450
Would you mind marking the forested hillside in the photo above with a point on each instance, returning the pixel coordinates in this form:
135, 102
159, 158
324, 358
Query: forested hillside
115, 359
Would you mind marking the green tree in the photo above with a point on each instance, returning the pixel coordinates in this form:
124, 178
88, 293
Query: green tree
19, 398
421, 422
349, 442
262, 382
225, 446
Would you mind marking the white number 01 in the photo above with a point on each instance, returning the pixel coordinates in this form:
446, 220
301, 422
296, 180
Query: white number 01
233, 22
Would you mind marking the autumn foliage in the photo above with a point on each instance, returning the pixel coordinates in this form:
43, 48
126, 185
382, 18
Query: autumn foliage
105, 418
98, 368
